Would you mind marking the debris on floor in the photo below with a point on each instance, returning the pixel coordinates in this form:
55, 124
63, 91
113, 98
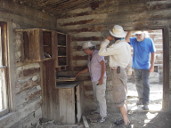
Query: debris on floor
52, 124
154, 118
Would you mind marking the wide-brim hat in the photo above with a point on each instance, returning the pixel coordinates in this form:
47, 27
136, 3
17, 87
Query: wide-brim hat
118, 31
87, 45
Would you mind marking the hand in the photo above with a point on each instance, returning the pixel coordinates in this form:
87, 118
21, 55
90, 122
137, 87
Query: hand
151, 69
130, 32
129, 72
100, 81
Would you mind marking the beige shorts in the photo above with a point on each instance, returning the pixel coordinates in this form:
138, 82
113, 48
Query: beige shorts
119, 87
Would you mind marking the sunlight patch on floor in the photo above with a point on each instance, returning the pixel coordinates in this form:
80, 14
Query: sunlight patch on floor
150, 116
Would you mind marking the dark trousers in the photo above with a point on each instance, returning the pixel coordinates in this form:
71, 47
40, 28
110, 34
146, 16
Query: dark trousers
142, 85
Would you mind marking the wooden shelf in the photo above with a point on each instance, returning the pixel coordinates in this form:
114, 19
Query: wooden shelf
61, 66
62, 46
45, 45
50, 50
46, 59
37, 44
62, 56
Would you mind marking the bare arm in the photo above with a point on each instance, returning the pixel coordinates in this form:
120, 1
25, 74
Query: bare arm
103, 70
82, 72
107, 51
152, 62
127, 38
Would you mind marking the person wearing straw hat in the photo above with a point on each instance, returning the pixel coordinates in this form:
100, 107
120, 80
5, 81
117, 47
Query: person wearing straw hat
143, 48
119, 58
97, 69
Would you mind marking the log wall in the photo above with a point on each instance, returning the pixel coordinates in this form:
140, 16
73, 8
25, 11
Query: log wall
85, 23
25, 90
93, 23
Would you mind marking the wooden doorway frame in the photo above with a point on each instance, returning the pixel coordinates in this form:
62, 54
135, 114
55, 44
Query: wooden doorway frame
166, 101
166, 70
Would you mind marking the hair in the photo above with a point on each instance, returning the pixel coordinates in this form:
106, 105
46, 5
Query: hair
117, 38
146, 34
92, 48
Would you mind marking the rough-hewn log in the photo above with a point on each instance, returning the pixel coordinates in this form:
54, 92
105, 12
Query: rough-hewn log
79, 57
26, 86
93, 38
20, 114
24, 15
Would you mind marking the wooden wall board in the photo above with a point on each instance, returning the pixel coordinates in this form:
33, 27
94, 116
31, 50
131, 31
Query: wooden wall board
79, 99
50, 94
67, 105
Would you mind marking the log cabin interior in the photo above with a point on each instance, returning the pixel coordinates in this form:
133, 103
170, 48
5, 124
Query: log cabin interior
40, 54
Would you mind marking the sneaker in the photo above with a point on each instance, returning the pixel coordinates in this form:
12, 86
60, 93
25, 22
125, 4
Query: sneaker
103, 119
145, 107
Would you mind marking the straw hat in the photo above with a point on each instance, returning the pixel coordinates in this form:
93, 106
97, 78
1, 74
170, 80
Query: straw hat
118, 32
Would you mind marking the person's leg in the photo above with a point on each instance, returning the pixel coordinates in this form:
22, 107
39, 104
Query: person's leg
100, 94
146, 92
95, 97
139, 85
94, 89
123, 111
120, 91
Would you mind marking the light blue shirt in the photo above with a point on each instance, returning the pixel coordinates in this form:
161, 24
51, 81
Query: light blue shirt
94, 66
141, 52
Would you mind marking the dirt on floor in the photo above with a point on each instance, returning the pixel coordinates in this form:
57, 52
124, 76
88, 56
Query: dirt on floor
139, 119
154, 118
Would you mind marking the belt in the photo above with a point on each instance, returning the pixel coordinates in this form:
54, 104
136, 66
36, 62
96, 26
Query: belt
118, 69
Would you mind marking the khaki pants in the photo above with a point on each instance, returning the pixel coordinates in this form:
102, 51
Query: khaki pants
99, 94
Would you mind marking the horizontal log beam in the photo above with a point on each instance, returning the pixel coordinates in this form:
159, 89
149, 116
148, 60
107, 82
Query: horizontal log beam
93, 38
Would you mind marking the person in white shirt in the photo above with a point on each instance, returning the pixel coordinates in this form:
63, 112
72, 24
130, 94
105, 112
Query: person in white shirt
119, 58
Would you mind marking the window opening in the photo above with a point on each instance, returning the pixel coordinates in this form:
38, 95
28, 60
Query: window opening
3, 72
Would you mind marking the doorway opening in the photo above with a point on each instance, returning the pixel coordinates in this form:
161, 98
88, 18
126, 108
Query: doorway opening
155, 79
